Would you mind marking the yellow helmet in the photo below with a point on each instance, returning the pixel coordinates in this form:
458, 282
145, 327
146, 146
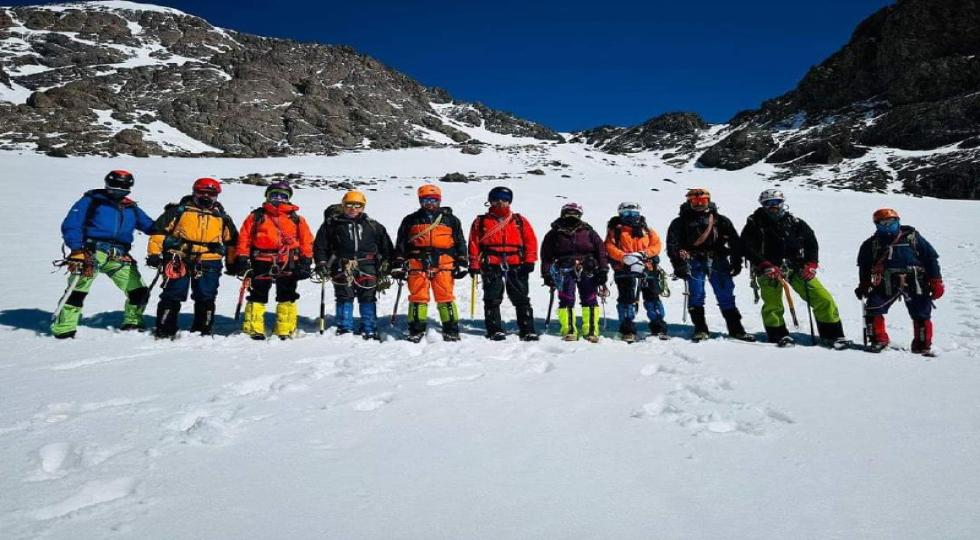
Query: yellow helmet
354, 197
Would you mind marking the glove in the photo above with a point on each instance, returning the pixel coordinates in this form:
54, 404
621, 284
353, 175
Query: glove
601, 277
322, 270
526, 269
239, 267
548, 280
459, 272
398, 270
682, 270
304, 268
809, 271
936, 288
862, 290
770, 271
736, 266
474, 271
153, 261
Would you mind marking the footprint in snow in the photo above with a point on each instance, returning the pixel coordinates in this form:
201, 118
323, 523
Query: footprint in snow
451, 380
373, 403
92, 494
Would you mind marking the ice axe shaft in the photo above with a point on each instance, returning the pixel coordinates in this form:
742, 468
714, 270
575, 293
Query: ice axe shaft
246, 283
398, 296
809, 311
72, 281
790, 302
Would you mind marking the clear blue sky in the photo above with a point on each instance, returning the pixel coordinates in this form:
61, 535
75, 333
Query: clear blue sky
572, 64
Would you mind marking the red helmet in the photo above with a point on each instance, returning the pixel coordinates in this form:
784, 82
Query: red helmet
207, 185
883, 214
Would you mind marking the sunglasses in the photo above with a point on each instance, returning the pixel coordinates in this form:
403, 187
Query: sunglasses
353, 205
772, 203
886, 222
630, 214
278, 196
429, 200
699, 200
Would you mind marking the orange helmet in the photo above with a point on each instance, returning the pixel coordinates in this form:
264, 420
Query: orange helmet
430, 191
883, 214
354, 197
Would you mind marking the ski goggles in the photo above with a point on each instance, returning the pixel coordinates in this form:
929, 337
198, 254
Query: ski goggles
699, 200
629, 214
353, 205
499, 201
429, 200
278, 196
772, 203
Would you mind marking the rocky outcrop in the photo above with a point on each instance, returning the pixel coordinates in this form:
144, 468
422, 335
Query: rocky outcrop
677, 131
220, 91
739, 150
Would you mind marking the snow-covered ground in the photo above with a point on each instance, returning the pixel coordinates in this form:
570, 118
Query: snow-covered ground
115, 435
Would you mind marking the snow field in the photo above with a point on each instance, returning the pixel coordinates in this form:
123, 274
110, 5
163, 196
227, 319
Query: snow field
117, 435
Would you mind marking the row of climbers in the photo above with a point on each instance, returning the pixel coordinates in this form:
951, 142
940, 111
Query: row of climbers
192, 237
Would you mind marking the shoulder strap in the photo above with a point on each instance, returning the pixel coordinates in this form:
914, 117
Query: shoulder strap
707, 231
496, 228
427, 230
258, 217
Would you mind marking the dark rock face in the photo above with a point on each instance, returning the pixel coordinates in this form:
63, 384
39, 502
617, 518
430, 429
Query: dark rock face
234, 93
678, 131
739, 150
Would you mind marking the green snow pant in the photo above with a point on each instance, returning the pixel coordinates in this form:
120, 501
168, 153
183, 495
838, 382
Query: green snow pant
824, 307
124, 274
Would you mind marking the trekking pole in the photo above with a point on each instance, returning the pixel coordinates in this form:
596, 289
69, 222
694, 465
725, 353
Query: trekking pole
551, 304
789, 300
398, 296
865, 331
473, 297
809, 312
603, 293
153, 283
246, 283
72, 281
323, 305
687, 298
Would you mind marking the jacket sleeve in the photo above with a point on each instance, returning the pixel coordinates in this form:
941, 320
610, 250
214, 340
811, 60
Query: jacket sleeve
459, 242
600, 251
929, 257
734, 243
673, 242
654, 248
530, 241
401, 247
305, 239
752, 243
474, 244
387, 250
321, 245
143, 222
864, 262
73, 226
244, 248
811, 249
547, 253
161, 228
229, 238
614, 252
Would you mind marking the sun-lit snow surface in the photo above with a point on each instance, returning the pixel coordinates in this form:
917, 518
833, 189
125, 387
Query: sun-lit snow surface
116, 435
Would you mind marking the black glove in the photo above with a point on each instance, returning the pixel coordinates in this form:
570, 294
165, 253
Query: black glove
862, 291
459, 272
474, 271
398, 269
682, 271
304, 268
153, 261
548, 280
527, 269
736, 266
239, 267
322, 270
601, 277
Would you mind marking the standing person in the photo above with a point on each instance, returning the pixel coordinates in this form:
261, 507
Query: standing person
783, 249
190, 239
897, 262
573, 256
98, 231
351, 250
634, 251
431, 252
503, 249
275, 246
703, 246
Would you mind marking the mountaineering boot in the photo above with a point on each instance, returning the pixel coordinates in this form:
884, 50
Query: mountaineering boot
166, 325
922, 340
133, 317
345, 317
418, 316
449, 315
203, 317
733, 319
700, 324
254, 323
786, 341
525, 323
65, 325
832, 335
287, 313
369, 320
776, 333
878, 339
495, 331
591, 317
627, 330
659, 328
567, 324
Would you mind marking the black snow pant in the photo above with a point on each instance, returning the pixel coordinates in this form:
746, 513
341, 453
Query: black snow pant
495, 282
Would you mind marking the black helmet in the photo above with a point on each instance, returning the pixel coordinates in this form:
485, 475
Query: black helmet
119, 180
500, 193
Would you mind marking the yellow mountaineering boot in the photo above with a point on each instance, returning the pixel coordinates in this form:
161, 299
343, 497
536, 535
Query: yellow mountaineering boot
591, 317
286, 316
566, 324
254, 323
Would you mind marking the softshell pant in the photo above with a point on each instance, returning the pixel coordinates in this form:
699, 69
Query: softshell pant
588, 291
424, 275
124, 274
919, 307
824, 308
632, 287
201, 280
286, 296
718, 273
496, 281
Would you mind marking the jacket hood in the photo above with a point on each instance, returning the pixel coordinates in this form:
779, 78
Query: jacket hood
616, 221
281, 209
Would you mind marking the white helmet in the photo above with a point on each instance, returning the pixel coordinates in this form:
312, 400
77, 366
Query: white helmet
628, 207
771, 195
635, 262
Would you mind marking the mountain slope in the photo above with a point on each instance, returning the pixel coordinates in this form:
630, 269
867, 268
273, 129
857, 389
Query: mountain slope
96, 77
